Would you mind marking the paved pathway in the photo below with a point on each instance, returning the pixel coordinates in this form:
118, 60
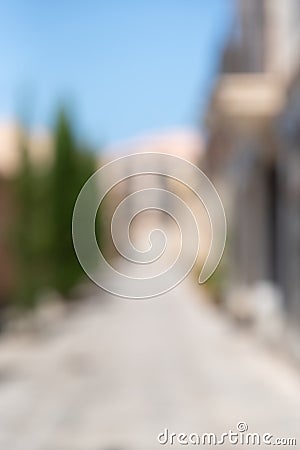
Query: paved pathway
114, 373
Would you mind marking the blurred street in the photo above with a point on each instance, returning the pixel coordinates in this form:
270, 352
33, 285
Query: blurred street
141, 142
114, 373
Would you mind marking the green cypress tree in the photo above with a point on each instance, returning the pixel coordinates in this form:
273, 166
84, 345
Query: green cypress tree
72, 167
26, 280
42, 232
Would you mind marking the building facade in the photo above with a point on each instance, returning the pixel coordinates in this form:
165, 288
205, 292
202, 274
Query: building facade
252, 146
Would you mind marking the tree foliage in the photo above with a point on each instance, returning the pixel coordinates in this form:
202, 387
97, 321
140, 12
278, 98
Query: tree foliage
44, 253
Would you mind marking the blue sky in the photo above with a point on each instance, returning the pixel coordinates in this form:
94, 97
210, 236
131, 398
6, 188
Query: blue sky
127, 67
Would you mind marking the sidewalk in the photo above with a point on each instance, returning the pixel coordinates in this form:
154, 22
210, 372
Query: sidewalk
115, 373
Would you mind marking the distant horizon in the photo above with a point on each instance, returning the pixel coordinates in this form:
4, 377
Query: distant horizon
123, 71
13, 124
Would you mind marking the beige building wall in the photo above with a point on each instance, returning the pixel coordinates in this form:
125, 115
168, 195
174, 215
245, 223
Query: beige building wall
282, 37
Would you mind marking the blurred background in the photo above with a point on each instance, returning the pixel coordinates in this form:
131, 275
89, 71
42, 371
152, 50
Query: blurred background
217, 83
